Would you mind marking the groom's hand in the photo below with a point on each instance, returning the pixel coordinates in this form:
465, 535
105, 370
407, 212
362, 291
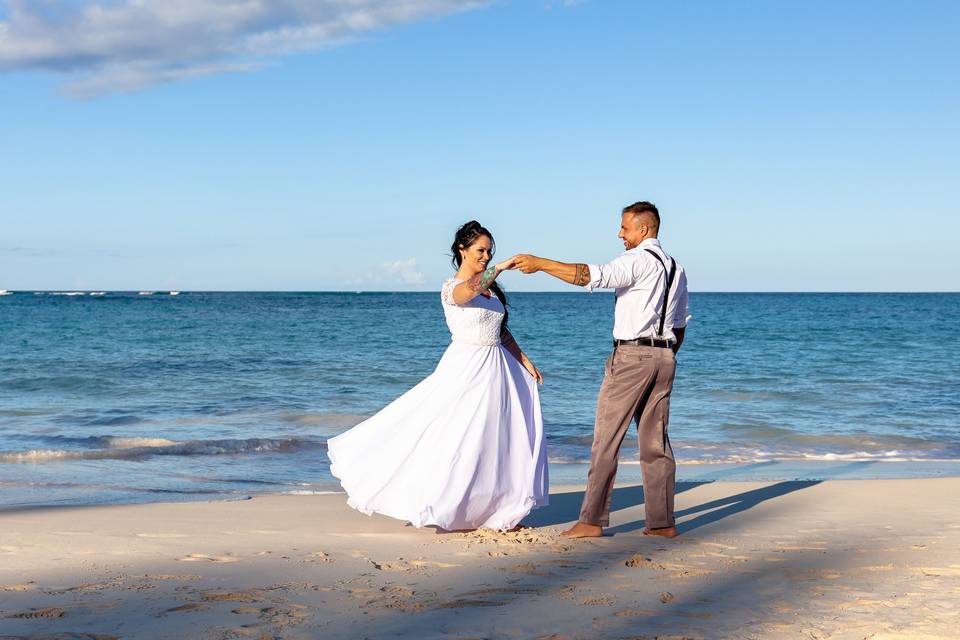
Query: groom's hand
527, 263
576, 273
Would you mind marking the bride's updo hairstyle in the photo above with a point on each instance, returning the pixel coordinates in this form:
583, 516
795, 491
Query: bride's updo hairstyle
466, 235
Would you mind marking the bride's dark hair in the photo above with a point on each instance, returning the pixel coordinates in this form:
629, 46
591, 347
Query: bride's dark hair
466, 235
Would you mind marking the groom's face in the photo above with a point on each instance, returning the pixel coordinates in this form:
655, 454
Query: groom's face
632, 231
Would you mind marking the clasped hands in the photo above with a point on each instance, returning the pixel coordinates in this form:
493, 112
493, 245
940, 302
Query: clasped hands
524, 262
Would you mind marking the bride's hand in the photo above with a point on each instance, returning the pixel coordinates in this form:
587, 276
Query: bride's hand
532, 370
506, 265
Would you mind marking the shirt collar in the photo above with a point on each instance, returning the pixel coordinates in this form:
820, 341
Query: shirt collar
649, 242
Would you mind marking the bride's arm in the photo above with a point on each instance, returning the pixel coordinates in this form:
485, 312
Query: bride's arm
510, 344
467, 291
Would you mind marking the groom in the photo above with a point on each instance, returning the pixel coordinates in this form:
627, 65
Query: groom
649, 322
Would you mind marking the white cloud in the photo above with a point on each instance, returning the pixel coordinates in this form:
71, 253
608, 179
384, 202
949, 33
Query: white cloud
405, 271
125, 45
399, 272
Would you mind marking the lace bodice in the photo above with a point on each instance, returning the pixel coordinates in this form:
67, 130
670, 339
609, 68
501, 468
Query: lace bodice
476, 322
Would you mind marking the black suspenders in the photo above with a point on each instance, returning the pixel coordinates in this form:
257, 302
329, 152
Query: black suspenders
666, 292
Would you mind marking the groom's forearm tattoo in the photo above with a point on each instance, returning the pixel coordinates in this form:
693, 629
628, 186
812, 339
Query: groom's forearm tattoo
482, 281
582, 276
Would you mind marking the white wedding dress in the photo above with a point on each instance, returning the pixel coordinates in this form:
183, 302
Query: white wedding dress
464, 449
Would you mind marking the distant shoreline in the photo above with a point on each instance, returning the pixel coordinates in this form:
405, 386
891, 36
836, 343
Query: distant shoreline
406, 291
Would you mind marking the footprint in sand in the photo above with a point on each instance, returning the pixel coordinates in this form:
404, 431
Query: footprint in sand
277, 616
399, 565
528, 568
245, 610
399, 598
202, 557
420, 563
190, 606
247, 595
286, 615
85, 588
951, 571
683, 571
404, 565
48, 612
491, 597
317, 557
639, 561
567, 592
461, 603
601, 601
67, 635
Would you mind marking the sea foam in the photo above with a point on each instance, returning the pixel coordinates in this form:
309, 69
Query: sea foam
121, 448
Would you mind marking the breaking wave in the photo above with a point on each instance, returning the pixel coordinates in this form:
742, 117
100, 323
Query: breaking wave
123, 448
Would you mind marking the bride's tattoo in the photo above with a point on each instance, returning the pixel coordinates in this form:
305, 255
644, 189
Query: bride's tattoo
482, 281
582, 276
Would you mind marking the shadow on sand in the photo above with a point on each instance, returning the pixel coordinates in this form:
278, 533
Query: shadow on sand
565, 507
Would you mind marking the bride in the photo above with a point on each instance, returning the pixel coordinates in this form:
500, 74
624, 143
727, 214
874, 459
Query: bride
463, 449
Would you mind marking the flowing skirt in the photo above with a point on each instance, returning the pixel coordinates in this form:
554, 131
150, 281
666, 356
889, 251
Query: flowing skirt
464, 449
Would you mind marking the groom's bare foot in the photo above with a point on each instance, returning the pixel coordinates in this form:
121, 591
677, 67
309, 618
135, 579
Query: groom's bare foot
663, 532
583, 530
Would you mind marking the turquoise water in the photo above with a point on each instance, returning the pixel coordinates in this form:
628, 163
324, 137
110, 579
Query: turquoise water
127, 397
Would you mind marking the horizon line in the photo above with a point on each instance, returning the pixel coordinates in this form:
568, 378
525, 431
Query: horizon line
362, 291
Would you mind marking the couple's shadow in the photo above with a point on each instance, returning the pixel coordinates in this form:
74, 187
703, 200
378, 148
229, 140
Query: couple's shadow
565, 507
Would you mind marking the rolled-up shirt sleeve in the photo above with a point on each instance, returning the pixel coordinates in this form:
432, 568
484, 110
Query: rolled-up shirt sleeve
622, 271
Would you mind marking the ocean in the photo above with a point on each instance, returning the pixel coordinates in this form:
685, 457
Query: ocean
130, 397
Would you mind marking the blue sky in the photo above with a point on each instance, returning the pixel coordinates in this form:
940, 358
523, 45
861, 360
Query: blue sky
790, 146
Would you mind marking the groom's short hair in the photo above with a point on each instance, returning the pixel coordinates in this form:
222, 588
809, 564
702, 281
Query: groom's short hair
644, 207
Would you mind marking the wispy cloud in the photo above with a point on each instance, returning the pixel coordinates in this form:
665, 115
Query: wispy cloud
30, 252
126, 45
405, 271
399, 272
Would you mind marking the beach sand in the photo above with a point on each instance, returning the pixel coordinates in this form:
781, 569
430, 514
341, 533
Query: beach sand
876, 559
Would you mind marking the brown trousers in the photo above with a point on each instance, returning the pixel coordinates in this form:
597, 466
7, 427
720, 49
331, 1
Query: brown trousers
636, 386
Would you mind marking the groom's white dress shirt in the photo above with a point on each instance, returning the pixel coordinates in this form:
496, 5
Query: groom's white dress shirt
639, 280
